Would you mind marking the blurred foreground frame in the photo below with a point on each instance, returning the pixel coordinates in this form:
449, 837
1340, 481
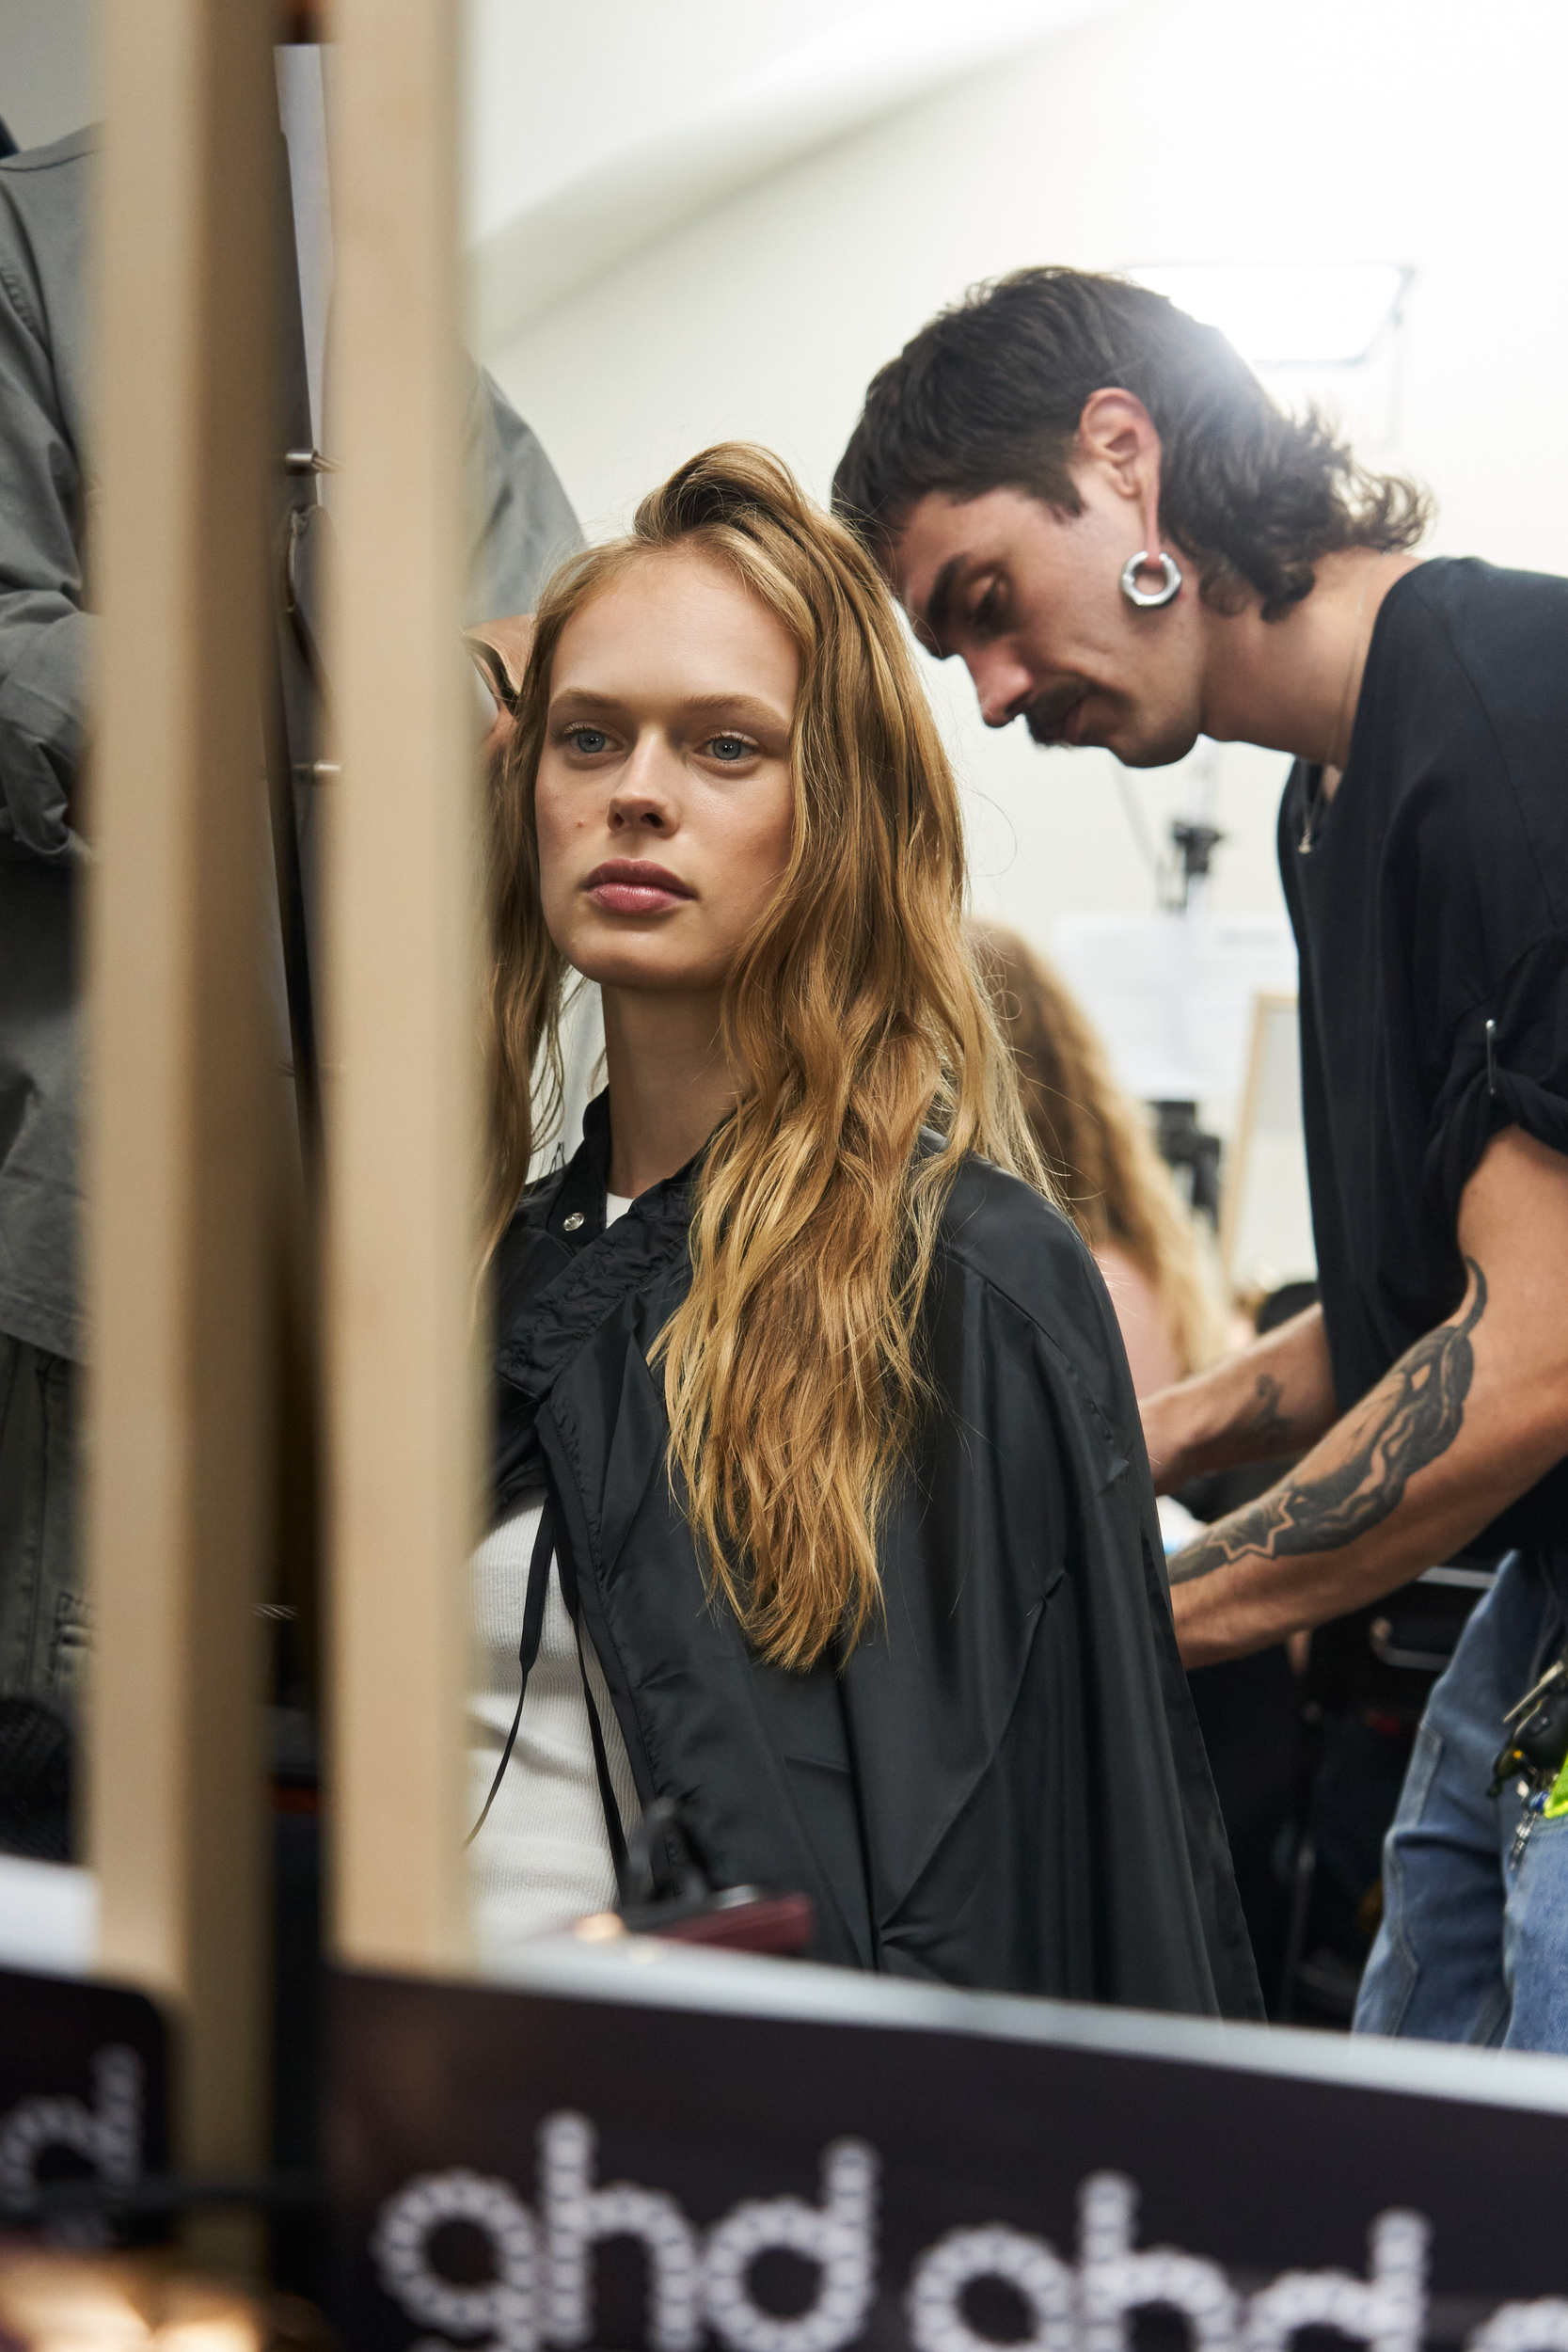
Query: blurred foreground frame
187, 1155
183, 1159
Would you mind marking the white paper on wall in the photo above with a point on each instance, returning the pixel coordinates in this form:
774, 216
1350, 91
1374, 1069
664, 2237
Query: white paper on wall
1172, 995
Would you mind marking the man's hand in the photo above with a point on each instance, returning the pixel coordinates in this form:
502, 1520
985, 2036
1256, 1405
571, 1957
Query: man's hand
1465, 1421
1273, 1399
511, 640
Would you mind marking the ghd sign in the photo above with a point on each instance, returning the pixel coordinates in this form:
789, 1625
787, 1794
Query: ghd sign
106, 2137
596, 2159
83, 2091
540, 2290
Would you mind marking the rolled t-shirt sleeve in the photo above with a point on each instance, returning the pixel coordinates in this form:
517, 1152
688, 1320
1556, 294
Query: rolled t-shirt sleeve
1508, 1067
45, 636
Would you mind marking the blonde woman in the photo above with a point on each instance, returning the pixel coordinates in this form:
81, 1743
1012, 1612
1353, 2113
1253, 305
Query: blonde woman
1112, 1183
821, 1516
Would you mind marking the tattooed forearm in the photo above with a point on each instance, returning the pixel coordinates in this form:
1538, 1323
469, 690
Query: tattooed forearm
1412, 1417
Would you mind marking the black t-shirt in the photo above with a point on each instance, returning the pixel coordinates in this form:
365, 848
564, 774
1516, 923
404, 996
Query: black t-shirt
1431, 900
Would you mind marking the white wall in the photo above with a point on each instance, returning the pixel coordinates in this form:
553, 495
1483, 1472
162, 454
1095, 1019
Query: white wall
45, 68
1174, 130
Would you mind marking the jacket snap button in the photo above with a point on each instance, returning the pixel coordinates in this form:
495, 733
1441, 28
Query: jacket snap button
570, 1224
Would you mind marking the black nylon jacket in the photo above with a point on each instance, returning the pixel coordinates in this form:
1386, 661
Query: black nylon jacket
1003, 1784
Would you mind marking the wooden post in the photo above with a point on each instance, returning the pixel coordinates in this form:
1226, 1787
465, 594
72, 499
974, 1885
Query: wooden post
401, 1095
178, 1144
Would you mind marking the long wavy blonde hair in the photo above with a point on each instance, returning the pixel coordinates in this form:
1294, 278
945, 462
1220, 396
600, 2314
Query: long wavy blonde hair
1093, 1138
855, 1017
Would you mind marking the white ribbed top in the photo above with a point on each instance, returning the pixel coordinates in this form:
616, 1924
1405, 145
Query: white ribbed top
543, 1856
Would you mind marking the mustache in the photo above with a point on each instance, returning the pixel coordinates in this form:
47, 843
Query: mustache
1046, 716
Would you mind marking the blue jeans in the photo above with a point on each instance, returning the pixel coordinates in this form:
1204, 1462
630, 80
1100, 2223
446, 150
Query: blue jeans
1474, 1941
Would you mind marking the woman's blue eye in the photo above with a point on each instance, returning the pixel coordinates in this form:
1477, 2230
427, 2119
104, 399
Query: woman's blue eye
590, 742
729, 747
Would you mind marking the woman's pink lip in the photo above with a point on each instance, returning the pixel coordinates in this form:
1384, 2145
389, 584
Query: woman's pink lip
635, 898
626, 885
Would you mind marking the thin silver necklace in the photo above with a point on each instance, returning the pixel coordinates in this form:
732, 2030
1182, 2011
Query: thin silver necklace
1311, 818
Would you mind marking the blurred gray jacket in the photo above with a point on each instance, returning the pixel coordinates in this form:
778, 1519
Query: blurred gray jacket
47, 632
46, 644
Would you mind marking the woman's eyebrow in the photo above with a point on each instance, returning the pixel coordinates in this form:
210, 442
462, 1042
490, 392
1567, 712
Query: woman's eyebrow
584, 698
747, 708
743, 707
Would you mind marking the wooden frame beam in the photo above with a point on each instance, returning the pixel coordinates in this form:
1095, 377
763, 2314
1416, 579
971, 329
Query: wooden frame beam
180, 1144
401, 1013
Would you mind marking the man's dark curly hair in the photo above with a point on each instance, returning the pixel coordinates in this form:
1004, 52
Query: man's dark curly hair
989, 395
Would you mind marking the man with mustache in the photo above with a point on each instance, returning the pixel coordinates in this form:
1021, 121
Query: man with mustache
1088, 499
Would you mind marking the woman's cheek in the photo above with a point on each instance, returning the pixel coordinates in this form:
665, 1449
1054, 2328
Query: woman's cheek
553, 838
775, 837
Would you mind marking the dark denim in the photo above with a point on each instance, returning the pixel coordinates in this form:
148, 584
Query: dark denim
43, 1615
1474, 1941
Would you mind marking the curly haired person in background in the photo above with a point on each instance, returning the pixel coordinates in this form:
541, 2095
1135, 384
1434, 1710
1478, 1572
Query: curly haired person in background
1095, 1142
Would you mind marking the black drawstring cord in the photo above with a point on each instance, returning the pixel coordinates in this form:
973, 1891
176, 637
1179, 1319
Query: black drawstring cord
528, 1648
613, 1828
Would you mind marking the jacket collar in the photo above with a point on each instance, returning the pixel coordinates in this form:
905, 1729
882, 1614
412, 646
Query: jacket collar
603, 1267
576, 1214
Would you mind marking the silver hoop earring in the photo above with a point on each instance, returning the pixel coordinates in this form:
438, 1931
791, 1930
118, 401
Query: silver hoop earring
1148, 599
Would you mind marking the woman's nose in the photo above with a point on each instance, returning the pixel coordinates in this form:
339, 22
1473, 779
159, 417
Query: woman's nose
641, 796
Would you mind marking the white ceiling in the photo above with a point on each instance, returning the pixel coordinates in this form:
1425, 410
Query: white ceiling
596, 126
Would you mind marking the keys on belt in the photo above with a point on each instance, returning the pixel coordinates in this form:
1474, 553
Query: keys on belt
1534, 1757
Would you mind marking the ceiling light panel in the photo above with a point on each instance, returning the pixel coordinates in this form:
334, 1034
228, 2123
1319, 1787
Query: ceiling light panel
1286, 314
